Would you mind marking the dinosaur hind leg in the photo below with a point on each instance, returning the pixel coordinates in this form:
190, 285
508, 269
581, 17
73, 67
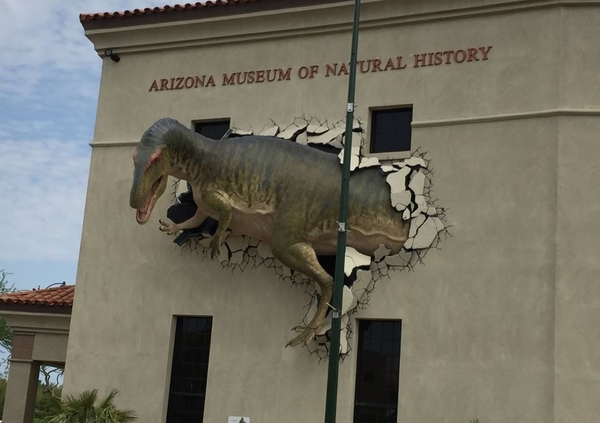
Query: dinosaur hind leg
302, 258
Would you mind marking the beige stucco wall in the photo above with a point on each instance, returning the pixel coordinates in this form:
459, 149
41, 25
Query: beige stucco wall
577, 372
499, 324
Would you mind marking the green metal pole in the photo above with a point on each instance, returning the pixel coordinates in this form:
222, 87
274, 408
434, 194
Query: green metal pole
338, 283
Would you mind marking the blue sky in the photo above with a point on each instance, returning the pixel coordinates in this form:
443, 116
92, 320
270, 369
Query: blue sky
49, 79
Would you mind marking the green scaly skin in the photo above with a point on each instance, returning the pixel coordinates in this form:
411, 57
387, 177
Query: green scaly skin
274, 190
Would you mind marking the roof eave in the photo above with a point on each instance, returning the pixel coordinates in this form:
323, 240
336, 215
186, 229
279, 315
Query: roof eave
36, 308
196, 11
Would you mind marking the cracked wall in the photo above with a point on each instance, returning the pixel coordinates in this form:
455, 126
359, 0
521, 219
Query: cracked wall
410, 182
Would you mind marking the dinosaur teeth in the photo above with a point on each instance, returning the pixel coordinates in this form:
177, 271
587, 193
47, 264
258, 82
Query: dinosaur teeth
142, 216
143, 213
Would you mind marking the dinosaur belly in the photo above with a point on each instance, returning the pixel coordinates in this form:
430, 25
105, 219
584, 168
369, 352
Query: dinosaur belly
326, 243
255, 225
256, 221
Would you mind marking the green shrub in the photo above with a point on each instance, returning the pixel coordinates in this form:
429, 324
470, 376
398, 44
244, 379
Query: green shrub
87, 408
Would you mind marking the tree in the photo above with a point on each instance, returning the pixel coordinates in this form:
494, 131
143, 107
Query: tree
86, 408
6, 335
2, 394
47, 402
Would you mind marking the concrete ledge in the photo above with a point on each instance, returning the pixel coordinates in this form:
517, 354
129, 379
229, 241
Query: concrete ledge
509, 116
433, 123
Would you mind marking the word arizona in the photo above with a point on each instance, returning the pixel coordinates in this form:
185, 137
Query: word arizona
181, 82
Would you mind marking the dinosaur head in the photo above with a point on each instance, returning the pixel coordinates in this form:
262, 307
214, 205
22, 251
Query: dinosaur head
151, 166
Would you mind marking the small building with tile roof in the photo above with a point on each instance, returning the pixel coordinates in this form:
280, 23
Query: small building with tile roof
39, 320
48, 299
501, 96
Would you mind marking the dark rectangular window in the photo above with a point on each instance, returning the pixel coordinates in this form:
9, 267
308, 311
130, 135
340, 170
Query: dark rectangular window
214, 129
189, 370
377, 371
391, 129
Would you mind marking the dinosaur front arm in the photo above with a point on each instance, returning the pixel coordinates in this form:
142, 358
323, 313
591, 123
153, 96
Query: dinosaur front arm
215, 201
193, 222
221, 205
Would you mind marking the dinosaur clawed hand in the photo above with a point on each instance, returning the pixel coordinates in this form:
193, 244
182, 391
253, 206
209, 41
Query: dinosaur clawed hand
169, 228
305, 337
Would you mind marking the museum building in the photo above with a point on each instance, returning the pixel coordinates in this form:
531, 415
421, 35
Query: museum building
494, 105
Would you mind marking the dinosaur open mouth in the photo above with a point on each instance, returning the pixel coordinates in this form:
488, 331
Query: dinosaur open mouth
143, 213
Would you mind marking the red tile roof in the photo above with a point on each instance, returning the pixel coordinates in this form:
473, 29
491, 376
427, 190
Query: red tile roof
59, 296
84, 17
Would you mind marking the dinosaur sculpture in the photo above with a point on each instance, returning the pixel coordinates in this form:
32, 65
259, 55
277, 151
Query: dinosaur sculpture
277, 191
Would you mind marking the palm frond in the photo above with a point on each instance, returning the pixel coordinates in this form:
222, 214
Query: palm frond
86, 408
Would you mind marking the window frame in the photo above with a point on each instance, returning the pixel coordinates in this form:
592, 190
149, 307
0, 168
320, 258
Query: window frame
388, 155
223, 120
357, 406
173, 355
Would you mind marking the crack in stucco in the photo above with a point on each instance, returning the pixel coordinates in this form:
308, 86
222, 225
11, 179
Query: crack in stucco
417, 177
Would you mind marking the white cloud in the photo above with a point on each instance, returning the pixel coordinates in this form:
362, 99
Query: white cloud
42, 37
42, 196
49, 77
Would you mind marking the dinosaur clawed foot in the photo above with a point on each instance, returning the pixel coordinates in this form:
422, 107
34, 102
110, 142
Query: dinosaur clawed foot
215, 246
305, 337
